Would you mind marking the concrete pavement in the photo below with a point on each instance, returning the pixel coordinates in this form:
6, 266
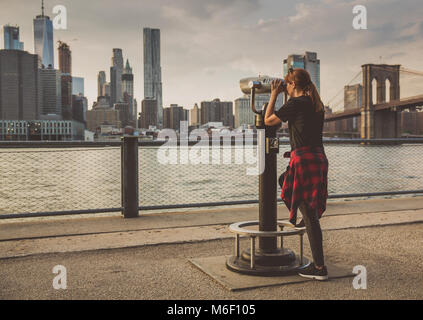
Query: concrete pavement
147, 257
29, 228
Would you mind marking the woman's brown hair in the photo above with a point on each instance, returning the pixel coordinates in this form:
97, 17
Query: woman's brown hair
302, 80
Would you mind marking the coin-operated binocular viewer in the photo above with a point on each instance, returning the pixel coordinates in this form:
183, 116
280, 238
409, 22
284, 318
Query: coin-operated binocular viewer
270, 258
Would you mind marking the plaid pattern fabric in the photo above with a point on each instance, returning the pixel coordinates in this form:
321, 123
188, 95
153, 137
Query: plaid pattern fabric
306, 179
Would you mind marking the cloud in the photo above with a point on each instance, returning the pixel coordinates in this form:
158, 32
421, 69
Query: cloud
207, 46
245, 65
201, 11
303, 12
219, 8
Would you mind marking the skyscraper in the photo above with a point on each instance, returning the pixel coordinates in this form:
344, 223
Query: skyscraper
173, 116
51, 84
65, 67
353, 96
307, 61
43, 38
101, 80
124, 113
153, 71
116, 71
79, 102
148, 113
78, 86
106, 90
65, 58
217, 111
243, 113
20, 89
128, 89
79, 108
113, 76
11, 38
136, 113
194, 116
102, 114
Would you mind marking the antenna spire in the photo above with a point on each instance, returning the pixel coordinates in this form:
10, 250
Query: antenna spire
42, 8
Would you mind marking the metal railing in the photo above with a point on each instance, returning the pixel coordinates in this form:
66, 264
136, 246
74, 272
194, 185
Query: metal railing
78, 177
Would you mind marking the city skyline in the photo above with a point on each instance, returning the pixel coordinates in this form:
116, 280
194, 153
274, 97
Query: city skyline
198, 61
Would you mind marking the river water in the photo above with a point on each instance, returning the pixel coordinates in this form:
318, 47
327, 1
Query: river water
47, 179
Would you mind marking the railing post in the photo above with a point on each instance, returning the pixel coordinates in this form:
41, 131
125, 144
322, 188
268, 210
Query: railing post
129, 176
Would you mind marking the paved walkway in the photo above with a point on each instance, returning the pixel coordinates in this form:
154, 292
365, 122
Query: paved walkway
147, 257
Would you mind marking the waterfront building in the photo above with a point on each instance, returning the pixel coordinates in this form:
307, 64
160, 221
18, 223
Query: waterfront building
243, 115
216, 110
173, 116
41, 130
412, 121
102, 114
20, 85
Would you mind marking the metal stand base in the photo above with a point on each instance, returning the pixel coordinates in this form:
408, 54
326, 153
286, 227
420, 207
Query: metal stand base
278, 258
279, 261
242, 266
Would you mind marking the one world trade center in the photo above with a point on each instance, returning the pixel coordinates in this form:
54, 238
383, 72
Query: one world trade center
43, 38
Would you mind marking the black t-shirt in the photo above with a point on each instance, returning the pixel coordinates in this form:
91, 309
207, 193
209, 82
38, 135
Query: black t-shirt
304, 124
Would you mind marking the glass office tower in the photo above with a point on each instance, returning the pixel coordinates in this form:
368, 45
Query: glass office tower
11, 38
307, 61
43, 39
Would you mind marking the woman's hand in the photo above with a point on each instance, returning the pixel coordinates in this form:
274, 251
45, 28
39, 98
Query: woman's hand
276, 86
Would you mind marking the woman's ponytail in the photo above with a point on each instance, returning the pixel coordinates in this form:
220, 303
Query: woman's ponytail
302, 79
315, 97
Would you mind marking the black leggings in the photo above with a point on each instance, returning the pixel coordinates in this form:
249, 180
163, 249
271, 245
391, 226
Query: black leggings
314, 233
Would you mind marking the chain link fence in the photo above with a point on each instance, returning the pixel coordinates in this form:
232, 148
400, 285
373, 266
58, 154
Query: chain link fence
355, 169
47, 180
87, 178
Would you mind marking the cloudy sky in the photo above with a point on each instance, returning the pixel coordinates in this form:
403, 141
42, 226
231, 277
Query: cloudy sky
207, 46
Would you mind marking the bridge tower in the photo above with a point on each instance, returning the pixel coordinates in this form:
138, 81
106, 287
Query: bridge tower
384, 123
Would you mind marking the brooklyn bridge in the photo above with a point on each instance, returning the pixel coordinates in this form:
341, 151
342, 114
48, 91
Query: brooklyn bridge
374, 108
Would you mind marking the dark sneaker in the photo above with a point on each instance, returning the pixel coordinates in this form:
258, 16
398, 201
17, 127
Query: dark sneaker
313, 273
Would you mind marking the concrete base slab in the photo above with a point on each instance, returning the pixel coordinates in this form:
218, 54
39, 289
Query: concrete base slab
216, 268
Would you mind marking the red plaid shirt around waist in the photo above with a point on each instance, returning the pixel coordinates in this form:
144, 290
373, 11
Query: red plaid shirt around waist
306, 179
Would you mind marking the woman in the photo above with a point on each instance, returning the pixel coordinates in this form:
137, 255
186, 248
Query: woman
305, 181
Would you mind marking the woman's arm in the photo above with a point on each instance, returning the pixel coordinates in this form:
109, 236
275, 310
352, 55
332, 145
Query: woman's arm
270, 119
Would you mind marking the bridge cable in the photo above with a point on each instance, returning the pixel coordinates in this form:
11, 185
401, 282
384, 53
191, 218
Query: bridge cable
340, 91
